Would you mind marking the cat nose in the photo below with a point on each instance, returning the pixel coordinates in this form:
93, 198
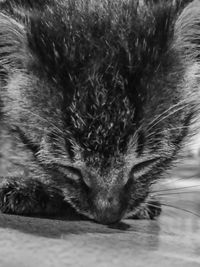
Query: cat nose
107, 211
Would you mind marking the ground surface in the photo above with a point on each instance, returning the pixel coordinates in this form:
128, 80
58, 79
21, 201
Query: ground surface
172, 240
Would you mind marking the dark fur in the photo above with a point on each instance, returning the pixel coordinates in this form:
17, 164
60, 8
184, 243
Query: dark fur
86, 86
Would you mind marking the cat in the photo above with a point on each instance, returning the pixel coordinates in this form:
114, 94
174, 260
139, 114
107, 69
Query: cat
97, 98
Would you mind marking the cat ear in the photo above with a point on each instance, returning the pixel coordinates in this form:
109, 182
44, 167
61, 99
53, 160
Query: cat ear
13, 41
187, 31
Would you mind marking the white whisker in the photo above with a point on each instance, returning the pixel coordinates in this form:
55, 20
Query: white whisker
178, 188
43, 119
181, 209
169, 129
165, 111
176, 193
175, 207
167, 116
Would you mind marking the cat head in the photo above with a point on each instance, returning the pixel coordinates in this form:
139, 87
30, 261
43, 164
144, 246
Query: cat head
100, 91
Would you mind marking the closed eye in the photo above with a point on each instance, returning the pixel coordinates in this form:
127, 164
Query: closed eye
70, 172
141, 168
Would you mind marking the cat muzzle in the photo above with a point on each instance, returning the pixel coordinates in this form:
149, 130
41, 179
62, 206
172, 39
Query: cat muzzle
108, 211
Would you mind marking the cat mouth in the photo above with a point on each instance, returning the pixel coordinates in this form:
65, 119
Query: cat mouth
108, 216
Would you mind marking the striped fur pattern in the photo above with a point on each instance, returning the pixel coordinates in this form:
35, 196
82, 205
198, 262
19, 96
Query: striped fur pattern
97, 98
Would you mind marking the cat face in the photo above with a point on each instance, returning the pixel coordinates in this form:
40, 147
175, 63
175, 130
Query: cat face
100, 93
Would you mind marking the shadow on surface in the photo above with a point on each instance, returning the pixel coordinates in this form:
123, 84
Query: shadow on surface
56, 226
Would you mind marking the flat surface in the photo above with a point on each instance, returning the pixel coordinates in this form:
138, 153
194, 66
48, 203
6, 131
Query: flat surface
172, 240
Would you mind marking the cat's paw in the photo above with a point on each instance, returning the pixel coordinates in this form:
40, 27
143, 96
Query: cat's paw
27, 197
149, 210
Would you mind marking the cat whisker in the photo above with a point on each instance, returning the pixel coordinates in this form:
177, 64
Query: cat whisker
172, 189
169, 129
165, 111
181, 209
152, 205
167, 116
161, 182
174, 207
43, 119
176, 193
170, 182
44, 130
34, 127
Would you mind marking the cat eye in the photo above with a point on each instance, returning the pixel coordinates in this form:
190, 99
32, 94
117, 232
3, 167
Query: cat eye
144, 166
70, 172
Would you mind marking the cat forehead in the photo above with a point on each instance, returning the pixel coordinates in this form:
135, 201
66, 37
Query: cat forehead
102, 51
71, 38
100, 125
102, 55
